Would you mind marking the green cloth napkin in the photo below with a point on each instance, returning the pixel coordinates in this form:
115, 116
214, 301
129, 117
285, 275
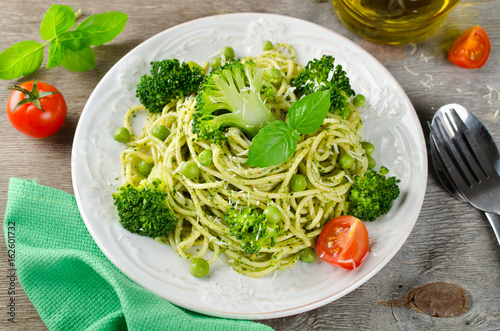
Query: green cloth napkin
72, 284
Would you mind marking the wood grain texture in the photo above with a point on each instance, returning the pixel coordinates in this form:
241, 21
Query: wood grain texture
450, 243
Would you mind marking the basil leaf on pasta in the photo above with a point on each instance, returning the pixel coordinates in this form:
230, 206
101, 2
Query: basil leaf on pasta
274, 144
307, 114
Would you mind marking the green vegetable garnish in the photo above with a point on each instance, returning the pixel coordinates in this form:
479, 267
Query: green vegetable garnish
144, 209
161, 132
323, 75
346, 161
190, 169
215, 62
308, 255
145, 168
252, 228
372, 194
122, 134
206, 157
368, 147
230, 96
267, 45
371, 162
359, 100
298, 183
70, 49
199, 267
276, 142
272, 214
274, 75
168, 80
227, 52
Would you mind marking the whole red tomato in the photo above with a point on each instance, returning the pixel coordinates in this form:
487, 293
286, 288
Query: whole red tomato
36, 109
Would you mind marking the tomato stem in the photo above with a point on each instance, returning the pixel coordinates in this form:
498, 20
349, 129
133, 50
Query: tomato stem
32, 96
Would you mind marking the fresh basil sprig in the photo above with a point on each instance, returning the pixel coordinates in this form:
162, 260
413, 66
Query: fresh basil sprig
276, 142
70, 49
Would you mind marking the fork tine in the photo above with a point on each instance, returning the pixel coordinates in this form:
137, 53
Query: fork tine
484, 165
463, 147
443, 174
454, 165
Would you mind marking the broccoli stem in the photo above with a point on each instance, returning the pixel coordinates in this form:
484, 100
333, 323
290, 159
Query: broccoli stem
249, 120
248, 111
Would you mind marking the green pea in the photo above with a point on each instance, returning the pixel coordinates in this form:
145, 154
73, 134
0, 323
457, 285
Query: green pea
371, 162
274, 75
199, 267
122, 134
267, 45
368, 147
193, 65
359, 100
227, 52
190, 169
298, 182
308, 255
273, 214
144, 167
215, 62
161, 132
206, 157
346, 161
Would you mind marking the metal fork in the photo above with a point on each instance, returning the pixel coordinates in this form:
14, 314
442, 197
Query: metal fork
463, 155
448, 183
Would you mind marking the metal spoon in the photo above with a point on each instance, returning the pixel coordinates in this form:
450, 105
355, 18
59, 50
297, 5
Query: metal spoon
491, 152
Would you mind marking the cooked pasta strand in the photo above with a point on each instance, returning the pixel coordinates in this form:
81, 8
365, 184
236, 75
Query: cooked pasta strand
200, 204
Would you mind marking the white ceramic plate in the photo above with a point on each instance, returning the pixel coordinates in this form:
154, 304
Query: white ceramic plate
390, 123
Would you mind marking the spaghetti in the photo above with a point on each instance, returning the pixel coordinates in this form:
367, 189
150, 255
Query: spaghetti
200, 204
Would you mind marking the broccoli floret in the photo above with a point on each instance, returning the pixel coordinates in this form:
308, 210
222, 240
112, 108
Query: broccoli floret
323, 74
372, 194
252, 228
230, 96
168, 80
144, 209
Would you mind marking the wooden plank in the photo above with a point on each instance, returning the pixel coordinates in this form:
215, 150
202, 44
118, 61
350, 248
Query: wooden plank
451, 242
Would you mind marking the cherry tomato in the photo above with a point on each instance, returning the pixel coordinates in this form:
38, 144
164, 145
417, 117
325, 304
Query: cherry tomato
28, 117
471, 49
344, 242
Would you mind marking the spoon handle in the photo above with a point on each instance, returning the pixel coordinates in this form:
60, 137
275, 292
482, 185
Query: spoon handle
495, 224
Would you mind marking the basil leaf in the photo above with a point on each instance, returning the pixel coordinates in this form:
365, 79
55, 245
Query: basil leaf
75, 40
20, 59
77, 61
307, 114
103, 27
273, 145
58, 19
55, 54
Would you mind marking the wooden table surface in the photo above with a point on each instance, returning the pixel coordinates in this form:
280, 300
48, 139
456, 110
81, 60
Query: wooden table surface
451, 243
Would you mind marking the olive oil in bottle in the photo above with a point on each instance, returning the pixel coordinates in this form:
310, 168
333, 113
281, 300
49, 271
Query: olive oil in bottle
393, 21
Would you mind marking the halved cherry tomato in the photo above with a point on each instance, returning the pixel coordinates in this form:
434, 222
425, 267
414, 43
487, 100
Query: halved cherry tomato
471, 50
36, 109
344, 242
